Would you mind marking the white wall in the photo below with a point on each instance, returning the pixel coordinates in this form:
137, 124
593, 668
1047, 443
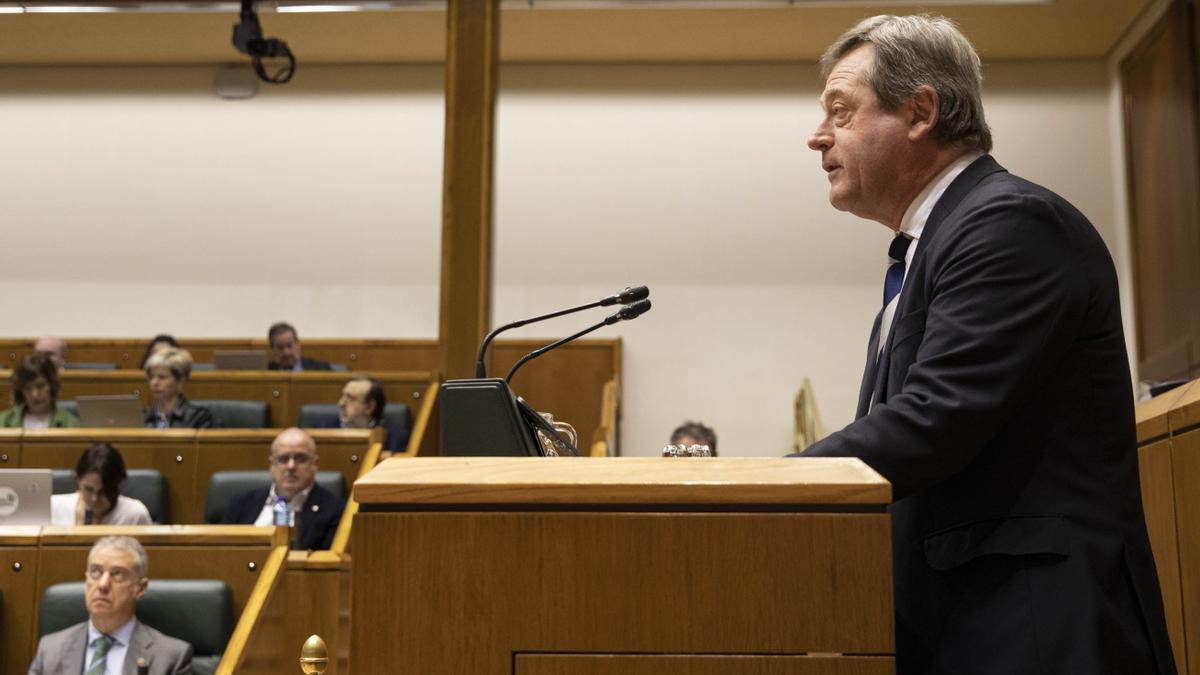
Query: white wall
124, 188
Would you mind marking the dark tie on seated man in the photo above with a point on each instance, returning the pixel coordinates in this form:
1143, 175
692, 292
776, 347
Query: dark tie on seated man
112, 640
312, 511
285, 350
997, 397
361, 406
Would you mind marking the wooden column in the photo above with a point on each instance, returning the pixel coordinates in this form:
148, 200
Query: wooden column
472, 56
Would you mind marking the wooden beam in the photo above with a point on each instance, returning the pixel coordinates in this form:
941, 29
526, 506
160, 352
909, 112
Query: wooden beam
472, 56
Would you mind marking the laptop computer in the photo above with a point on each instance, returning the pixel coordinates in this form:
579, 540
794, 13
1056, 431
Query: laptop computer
240, 360
25, 496
110, 412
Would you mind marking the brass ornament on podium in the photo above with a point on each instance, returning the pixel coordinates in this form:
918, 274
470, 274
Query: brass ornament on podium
314, 658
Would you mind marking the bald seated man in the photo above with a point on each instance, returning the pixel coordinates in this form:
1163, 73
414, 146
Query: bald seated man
314, 512
112, 640
55, 347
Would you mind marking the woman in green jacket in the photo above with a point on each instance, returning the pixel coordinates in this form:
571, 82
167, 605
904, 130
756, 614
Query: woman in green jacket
35, 395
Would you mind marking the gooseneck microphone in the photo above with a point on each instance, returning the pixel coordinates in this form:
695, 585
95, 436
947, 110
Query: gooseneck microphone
629, 295
626, 313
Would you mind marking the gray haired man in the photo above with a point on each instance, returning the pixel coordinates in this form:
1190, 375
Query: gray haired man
112, 640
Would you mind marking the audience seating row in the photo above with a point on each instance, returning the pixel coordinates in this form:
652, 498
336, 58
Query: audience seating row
239, 566
186, 458
568, 381
239, 395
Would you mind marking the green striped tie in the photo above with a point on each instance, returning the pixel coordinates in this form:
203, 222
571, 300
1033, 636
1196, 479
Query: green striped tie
99, 659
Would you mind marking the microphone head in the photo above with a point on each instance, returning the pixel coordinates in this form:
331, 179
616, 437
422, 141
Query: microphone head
633, 294
634, 310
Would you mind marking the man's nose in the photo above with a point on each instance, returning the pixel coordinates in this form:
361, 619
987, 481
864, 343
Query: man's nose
820, 139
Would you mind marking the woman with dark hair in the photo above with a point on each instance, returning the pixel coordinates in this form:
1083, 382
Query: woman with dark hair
98, 501
160, 341
35, 396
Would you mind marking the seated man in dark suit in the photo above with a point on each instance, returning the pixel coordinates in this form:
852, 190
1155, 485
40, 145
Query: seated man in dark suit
313, 512
361, 407
112, 640
285, 349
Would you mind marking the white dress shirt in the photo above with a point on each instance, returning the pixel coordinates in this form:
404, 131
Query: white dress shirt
267, 515
115, 659
913, 224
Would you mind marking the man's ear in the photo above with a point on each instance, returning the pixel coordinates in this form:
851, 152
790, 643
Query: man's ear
142, 585
924, 110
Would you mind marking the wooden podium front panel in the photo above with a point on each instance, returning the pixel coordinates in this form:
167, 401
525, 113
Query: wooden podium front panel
466, 590
657, 664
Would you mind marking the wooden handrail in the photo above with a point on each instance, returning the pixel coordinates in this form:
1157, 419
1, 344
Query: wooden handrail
421, 426
254, 615
341, 538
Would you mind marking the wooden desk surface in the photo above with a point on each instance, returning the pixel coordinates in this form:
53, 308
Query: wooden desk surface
622, 480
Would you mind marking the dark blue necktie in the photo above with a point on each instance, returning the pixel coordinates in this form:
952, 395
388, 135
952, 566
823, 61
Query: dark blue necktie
894, 279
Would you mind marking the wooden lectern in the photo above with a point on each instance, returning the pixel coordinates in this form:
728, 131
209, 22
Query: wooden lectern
622, 566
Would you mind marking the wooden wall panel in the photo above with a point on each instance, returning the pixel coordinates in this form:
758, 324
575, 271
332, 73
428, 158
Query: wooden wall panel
1163, 167
18, 581
1185, 462
1158, 502
570, 385
10, 448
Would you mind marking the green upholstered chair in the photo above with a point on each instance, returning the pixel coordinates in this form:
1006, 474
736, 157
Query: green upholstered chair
225, 485
197, 611
395, 415
238, 414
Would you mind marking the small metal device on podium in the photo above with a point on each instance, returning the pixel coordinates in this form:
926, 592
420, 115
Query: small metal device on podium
483, 417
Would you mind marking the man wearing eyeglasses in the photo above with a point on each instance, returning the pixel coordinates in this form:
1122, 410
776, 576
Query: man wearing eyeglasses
112, 640
312, 511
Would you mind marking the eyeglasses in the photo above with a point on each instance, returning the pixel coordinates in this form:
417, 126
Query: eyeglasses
117, 575
300, 458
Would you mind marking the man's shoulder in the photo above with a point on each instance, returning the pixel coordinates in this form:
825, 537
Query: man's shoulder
160, 642
323, 497
64, 636
315, 364
244, 507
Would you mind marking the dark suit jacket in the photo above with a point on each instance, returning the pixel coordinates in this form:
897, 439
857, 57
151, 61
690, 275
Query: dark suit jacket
185, 415
309, 364
64, 652
1003, 416
316, 523
394, 440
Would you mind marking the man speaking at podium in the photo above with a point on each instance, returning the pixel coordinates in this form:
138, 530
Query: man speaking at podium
997, 397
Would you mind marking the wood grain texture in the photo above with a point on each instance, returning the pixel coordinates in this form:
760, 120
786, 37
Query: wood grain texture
341, 538
1185, 464
546, 383
694, 664
622, 480
318, 603
1158, 503
18, 584
257, 641
487, 585
472, 66
10, 448
1153, 415
424, 439
1185, 413
1159, 82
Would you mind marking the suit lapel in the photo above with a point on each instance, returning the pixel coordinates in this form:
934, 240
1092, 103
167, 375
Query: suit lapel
951, 198
868, 381
76, 650
139, 647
